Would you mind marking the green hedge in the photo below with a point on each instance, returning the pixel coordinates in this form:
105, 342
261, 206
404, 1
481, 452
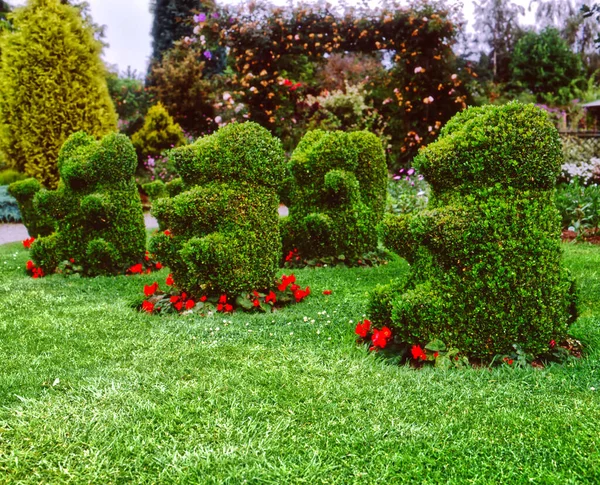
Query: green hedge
485, 256
222, 214
97, 209
336, 194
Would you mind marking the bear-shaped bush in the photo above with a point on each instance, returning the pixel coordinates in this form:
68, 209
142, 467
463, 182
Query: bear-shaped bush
336, 194
96, 208
485, 256
220, 228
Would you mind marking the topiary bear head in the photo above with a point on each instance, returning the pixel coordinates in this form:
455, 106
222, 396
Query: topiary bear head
514, 145
85, 164
237, 153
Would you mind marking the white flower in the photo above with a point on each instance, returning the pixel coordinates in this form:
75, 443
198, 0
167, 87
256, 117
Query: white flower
419, 69
226, 96
218, 119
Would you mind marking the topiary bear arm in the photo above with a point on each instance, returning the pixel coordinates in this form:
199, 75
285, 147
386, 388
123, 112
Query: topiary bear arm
96, 207
341, 188
51, 203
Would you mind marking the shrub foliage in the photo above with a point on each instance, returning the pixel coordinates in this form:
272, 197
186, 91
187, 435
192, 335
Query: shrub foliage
336, 194
97, 209
485, 256
220, 222
53, 84
24, 192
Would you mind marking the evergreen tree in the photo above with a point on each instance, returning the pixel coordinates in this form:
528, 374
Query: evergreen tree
4, 9
170, 23
53, 84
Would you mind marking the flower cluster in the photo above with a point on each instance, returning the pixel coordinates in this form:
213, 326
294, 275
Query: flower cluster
285, 291
33, 270
146, 266
28, 242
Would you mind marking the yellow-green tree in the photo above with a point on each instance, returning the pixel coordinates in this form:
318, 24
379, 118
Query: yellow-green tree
53, 84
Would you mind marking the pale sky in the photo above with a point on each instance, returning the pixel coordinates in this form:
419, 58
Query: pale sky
128, 24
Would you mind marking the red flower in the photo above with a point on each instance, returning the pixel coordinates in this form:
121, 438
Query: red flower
507, 360
327, 292
291, 255
146, 257
148, 306
294, 288
136, 268
203, 298
149, 290
72, 260
286, 281
362, 328
179, 305
169, 281
37, 273
223, 299
287, 83
228, 307
270, 297
220, 307
435, 355
167, 233
256, 303
184, 296
552, 344
28, 242
175, 299
29, 265
301, 294
379, 338
158, 265
417, 352
189, 304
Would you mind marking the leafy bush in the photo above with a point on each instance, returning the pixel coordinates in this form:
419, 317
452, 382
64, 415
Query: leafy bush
9, 209
336, 194
486, 270
53, 84
220, 222
130, 99
579, 206
24, 192
9, 176
97, 209
159, 133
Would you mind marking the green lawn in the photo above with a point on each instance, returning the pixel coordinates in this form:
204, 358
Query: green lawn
93, 392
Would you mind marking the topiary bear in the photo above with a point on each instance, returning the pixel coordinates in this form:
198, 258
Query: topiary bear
485, 256
97, 208
336, 194
220, 223
24, 192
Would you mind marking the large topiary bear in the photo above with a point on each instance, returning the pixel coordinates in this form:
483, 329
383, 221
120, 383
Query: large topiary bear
485, 256
97, 208
336, 194
220, 225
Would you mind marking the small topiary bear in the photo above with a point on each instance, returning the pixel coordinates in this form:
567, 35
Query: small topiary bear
336, 194
485, 256
220, 221
97, 208
24, 192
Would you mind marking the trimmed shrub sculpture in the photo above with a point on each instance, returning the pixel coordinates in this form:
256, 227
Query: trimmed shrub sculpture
336, 194
24, 192
220, 228
97, 208
485, 256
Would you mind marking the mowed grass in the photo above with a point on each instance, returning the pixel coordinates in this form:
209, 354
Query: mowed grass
94, 392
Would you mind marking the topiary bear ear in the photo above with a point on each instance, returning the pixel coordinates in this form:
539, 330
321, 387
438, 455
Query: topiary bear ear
114, 159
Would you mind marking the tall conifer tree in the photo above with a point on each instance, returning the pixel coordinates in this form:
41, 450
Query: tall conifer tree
53, 84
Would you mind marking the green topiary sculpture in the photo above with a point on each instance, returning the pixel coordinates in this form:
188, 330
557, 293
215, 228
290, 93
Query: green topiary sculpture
97, 209
24, 192
336, 195
485, 257
221, 221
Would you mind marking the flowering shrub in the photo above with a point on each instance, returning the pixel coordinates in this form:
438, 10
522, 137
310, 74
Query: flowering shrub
33, 270
486, 268
96, 209
336, 195
173, 300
